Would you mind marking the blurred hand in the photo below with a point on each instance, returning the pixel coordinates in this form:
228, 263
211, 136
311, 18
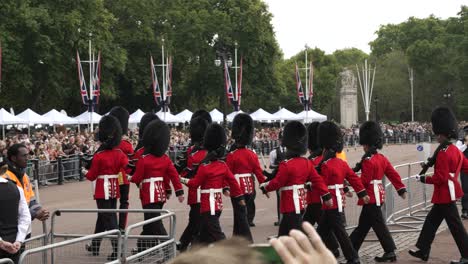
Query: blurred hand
17, 245
242, 202
183, 180
366, 199
227, 193
8, 247
297, 248
349, 194
180, 198
329, 202
168, 196
403, 195
42, 214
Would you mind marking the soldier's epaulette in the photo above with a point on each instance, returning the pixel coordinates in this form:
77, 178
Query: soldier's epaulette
446, 148
285, 161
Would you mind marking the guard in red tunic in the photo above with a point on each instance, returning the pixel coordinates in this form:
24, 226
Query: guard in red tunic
335, 171
374, 166
449, 162
293, 173
195, 155
152, 170
314, 201
244, 164
212, 177
126, 146
106, 165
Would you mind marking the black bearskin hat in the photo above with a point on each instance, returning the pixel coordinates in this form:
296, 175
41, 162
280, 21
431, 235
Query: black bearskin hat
312, 131
215, 137
110, 132
444, 122
156, 138
371, 134
122, 115
198, 127
295, 137
242, 129
203, 114
145, 120
330, 136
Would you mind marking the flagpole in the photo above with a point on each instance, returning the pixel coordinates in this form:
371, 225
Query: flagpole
90, 109
306, 95
235, 67
164, 83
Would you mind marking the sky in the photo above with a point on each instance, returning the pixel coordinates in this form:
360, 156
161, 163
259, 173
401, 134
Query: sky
338, 24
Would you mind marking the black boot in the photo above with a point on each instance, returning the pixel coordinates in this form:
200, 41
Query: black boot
462, 261
386, 257
419, 254
94, 250
353, 261
464, 215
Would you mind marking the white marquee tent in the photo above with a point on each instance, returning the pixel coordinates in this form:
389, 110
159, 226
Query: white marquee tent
262, 115
185, 115
136, 117
168, 117
231, 116
32, 117
216, 116
285, 115
84, 118
58, 118
8, 119
312, 116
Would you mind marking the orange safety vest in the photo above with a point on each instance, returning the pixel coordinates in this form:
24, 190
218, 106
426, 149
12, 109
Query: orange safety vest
26, 186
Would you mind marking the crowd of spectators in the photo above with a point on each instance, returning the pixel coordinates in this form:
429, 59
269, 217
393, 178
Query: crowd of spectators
44, 145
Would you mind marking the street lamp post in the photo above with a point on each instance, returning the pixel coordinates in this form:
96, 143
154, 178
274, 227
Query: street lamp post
224, 56
376, 101
447, 95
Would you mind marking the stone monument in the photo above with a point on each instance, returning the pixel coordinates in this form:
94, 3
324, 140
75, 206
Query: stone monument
348, 98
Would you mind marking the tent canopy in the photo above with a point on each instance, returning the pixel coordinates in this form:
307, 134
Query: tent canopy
84, 118
32, 117
8, 119
285, 115
185, 115
136, 117
168, 117
216, 116
231, 116
262, 115
312, 116
58, 118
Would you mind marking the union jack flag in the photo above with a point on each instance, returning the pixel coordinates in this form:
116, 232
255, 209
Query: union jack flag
83, 89
227, 82
299, 88
97, 81
156, 89
168, 81
311, 84
239, 80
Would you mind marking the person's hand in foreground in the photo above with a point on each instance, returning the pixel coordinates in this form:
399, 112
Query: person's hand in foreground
297, 248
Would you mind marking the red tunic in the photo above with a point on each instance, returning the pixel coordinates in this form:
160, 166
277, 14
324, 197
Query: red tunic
295, 172
373, 170
126, 148
193, 160
152, 172
448, 160
335, 171
244, 163
313, 196
214, 175
104, 172
138, 154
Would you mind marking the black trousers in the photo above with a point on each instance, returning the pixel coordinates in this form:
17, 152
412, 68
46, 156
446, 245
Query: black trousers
439, 212
241, 222
193, 226
152, 229
13, 257
332, 221
124, 192
464, 200
210, 229
278, 200
312, 215
250, 202
288, 222
371, 217
105, 222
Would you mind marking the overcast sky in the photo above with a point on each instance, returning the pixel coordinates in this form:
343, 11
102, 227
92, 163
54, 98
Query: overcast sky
337, 24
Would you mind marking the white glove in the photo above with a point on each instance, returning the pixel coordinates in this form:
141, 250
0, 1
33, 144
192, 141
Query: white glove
84, 171
418, 177
184, 180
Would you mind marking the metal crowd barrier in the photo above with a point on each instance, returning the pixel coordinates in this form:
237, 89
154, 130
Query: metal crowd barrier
56, 171
6, 261
397, 138
160, 252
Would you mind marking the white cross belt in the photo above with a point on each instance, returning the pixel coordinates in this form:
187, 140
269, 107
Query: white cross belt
339, 198
295, 189
151, 181
212, 193
376, 191
106, 183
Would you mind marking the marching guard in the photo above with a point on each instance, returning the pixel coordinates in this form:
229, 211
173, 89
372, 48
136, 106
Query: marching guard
374, 166
104, 171
276, 157
448, 162
314, 201
334, 172
292, 175
211, 177
195, 155
153, 169
244, 164
126, 146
